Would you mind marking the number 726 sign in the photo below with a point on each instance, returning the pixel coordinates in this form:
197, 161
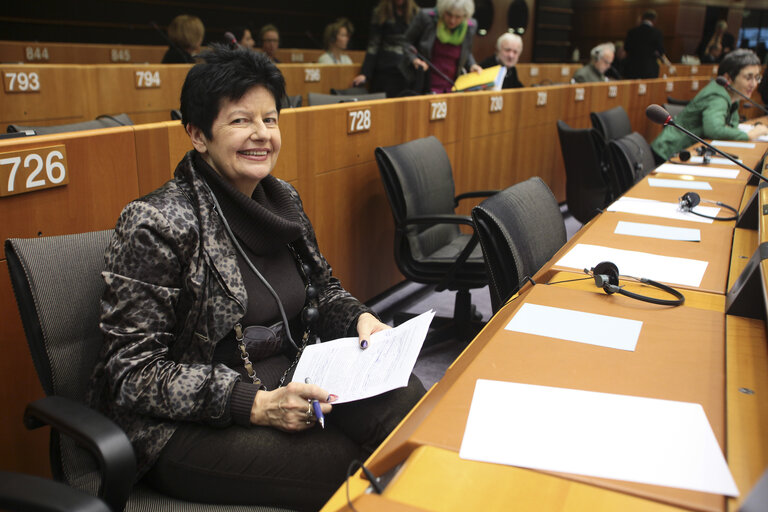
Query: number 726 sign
33, 169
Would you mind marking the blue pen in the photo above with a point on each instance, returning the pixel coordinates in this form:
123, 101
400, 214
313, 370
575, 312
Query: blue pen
316, 408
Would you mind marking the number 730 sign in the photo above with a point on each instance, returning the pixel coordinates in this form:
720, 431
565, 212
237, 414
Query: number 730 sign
33, 169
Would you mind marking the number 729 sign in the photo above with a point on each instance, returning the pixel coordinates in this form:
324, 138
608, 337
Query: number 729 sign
33, 169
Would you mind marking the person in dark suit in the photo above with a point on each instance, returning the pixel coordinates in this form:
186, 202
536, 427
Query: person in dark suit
508, 50
644, 45
185, 33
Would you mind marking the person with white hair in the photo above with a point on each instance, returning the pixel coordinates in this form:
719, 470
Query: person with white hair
443, 36
508, 49
601, 58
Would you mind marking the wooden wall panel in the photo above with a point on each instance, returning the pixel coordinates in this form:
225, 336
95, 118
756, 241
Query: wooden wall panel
78, 53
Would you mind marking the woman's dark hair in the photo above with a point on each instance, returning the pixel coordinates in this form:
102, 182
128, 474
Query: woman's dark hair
239, 32
226, 73
735, 61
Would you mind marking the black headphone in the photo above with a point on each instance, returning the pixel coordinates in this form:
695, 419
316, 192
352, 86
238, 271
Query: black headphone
606, 276
691, 199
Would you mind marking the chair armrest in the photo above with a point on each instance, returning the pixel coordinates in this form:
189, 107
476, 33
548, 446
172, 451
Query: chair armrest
97, 434
476, 193
21, 492
444, 218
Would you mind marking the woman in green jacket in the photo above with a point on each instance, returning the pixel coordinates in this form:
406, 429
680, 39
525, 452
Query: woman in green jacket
714, 112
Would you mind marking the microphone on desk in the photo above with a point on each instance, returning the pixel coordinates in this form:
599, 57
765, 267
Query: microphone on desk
722, 81
660, 116
231, 40
412, 49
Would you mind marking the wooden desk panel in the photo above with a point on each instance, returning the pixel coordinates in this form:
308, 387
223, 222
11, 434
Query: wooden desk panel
680, 356
159, 149
60, 99
576, 110
602, 99
102, 180
78, 53
640, 95
417, 123
479, 121
715, 245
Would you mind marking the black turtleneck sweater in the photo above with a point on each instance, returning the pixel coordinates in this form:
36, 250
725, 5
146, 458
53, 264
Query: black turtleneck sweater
264, 224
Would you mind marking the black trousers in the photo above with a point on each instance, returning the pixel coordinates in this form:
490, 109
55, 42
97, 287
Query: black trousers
265, 466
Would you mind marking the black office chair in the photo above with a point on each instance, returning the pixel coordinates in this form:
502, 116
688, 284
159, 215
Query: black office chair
611, 124
57, 283
673, 108
350, 91
631, 158
675, 101
103, 121
292, 101
175, 114
590, 184
520, 229
429, 246
316, 98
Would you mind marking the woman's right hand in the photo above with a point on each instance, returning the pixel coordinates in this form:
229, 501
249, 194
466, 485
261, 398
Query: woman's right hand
358, 80
418, 63
757, 131
289, 408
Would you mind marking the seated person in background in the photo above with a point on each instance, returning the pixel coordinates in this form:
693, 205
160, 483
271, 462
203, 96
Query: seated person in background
244, 37
508, 50
198, 351
763, 88
385, 60
720, 39
713, 54
616, 71
600, 60
186, 35
336, 37
270, 41
444, 36
714, 112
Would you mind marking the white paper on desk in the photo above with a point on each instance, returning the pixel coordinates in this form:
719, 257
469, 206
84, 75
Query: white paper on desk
661, 209
716, 160
657, 231
683, 184
341, 368
578, 326
668, 269
732, 144
698, 170
636, 439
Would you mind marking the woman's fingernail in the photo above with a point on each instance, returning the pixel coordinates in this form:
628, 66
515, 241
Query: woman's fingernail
363, 344
331, 398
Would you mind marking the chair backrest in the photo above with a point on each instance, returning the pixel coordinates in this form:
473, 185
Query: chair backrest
675, 101
315, 98
175, 114
104, 121
58, 286
590, 184
350, 91
673, 108
418, 180
631, 158
292, 101
520, 229
611, 124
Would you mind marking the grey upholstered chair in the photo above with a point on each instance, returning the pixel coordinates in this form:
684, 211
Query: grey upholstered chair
631, 159
611, 124
58, 285
316, 98
104, 121
429, 246
520, 229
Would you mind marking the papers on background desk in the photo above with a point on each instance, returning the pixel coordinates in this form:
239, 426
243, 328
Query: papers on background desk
654, 208
342, 368
683, 184
698, 170
667, 269
717, 160
651, 441
578, 326
656, 231
732, 144
746, 128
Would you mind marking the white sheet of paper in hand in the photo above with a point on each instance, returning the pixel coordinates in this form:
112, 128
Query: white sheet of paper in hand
341, 367
651, 441
698, 170
667, 269
578, 326
683, 184
662, 209
656, 231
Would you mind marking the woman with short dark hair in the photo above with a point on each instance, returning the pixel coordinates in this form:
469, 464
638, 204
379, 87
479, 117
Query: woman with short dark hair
714, 112
214, 286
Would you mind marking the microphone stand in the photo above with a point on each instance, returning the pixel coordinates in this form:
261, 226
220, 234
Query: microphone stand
654, 113
412, 49
724, 82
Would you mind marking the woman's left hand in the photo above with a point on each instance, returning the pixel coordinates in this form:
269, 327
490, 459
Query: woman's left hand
367, 324
476, 68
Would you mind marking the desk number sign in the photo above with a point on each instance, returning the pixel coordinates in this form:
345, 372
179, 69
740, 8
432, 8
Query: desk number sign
438, 110
21, 81
146, 79
33, 169
358, 120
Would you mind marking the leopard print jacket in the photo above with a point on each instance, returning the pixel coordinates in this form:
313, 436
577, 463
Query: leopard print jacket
173, 290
